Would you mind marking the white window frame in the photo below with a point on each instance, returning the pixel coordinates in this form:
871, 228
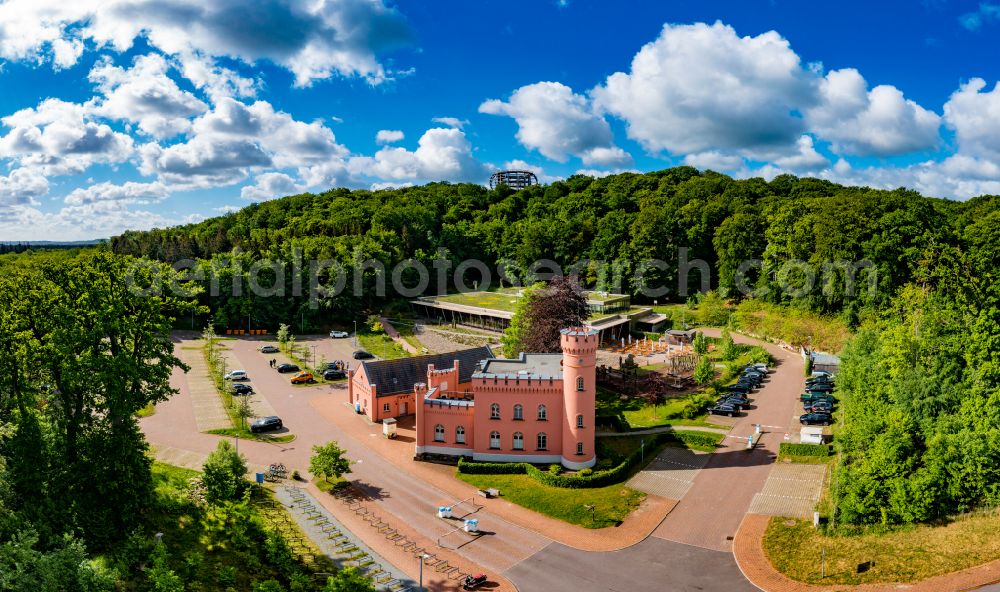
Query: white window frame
495, 411
579, 420
439, 433
385, 408
494, 440
579, 383
542, 441
518, 412
518, 441
579, 448
543, 413
460, 435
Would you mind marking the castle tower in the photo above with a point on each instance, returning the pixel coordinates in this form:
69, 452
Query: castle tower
579, 366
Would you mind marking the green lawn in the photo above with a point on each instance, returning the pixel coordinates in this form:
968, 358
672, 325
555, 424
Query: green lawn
902, 554
381, 345
639, 415
611, 504
248, 435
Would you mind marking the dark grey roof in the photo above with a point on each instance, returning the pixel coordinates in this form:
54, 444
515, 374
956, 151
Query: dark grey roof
392, 377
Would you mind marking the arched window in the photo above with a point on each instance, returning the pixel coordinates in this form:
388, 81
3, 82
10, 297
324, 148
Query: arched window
518, 412
579, 448
495, 440
460, 435
579, 383
543, 413
518, 441
495, 411
579, 421
439, 433
543, 441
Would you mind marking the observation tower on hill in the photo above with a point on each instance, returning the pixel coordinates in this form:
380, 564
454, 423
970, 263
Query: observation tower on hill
516, 180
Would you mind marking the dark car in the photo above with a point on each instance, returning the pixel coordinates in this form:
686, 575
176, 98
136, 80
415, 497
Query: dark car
266, 424
737, 399
287, 368
472, 582
740, 389
816, 418
242, 389
334, 374
362, 355
333, 366
817, 381
748, 385
822, 406
724, 409
819, 388
812, 397
753, 372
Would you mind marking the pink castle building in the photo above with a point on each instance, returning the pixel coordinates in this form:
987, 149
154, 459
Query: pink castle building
538, 408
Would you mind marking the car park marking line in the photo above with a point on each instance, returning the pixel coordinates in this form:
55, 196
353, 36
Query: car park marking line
674, 462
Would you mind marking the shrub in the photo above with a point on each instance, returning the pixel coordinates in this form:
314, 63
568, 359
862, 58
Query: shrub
805, 449
585, 472
555, 469
223, 473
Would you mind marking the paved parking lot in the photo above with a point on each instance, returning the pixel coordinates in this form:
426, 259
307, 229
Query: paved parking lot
671, 474
790, 490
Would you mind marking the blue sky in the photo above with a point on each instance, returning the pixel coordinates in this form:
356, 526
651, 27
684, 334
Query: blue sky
117, 115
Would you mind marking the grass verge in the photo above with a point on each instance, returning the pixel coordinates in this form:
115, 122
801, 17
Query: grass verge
611, 504
248, 435
900, 554
381, 345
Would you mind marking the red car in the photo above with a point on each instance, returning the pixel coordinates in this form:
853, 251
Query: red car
473, 582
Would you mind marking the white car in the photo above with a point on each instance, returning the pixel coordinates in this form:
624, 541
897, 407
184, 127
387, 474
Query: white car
339, 334
237, 375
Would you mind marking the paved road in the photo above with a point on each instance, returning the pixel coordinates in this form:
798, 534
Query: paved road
719, 496
654, 565
709, 515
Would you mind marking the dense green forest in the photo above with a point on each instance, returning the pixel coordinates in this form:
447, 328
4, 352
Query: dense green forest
626, 218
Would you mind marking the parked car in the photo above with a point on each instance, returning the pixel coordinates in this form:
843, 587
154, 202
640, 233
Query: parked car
237, 375
760, 367
337, 365
724, 409
287, 368
266, 424
819, 388
748, 384
472, 582
269, 349
339, 334
819, 406
334, 374
362, 355
815, 418
303, 378
242, 389
813, 397
740, 401
737, 388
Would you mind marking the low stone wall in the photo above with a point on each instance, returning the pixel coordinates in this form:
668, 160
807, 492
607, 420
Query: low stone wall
395, 336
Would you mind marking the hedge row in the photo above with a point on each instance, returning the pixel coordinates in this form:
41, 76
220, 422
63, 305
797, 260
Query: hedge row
805, 449
603, 478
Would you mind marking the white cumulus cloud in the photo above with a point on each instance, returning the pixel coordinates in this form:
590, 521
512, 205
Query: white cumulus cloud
442, 154
388, 136
128, 192
559, 123
271, 185
879, 122
702, 87
313, 40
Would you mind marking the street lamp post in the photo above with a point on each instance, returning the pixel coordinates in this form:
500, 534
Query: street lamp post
423, 558
355, 333
314, 356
